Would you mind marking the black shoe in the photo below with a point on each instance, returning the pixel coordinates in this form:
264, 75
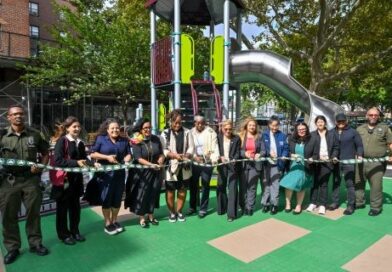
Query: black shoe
11, 256
69, 241
250, 212
153, 221
274, 209
39, 250
288, 210
333, 207
143, 224
297, 213
349, 211
362, 206
191, 211
374, 212
79, 238
202, 214
266, 208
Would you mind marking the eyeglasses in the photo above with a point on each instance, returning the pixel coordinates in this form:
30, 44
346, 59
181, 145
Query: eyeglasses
146, 128
302, 129
228, 129
373, 115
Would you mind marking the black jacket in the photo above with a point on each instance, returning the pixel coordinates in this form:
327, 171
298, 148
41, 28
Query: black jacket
234, 151
350, 143
66, 154
260, 149
332, 145
309, 152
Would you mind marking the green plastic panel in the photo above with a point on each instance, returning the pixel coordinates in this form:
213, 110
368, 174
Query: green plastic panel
187, 58
161, 117
217, 59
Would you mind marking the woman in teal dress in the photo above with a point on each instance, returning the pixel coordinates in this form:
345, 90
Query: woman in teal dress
300, 175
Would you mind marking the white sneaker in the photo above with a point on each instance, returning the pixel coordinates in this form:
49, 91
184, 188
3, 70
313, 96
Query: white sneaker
181, 217
311, 207
321, 210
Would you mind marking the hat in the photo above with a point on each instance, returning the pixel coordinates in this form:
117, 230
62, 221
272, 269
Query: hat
340, 117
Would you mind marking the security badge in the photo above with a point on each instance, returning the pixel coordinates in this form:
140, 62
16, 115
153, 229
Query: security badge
31, 141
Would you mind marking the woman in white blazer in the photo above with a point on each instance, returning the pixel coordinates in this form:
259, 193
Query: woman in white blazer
178, 148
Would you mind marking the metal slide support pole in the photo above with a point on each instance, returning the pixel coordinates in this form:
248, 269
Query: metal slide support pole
226, 25
212, 29
238, 91
177, 48
28, 105
154, 123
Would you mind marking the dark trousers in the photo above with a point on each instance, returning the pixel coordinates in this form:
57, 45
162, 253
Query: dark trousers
348, 173
248, 188
319, 191
67, 207
205, 174
24, 190
227, 178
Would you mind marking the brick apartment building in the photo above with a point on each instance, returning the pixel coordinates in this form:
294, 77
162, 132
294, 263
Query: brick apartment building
24, 25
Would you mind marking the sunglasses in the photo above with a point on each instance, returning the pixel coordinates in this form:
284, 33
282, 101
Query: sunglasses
373, 115
370, 131
146, 128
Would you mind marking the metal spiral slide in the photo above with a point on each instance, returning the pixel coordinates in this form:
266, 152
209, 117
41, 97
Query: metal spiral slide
274, 71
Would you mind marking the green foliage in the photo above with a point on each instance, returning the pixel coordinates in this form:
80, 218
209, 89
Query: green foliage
331, 42
98, 51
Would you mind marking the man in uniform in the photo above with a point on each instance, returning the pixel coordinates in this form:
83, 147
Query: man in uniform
377, 140
21, 184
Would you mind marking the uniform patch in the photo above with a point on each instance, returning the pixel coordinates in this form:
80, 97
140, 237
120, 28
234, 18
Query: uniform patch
31, 141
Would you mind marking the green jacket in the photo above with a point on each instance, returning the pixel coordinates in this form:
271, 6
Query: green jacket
26, 146
375, 141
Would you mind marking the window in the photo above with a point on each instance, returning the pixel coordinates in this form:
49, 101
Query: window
33, 9
34, 31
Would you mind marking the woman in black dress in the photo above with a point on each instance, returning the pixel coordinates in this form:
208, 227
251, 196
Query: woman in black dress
69, 151
147, 150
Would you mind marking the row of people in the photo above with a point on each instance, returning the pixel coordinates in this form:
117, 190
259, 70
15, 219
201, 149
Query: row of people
171, 152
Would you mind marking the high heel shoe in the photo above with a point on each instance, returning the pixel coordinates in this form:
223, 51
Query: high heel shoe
297, 212
153, 221
143, 224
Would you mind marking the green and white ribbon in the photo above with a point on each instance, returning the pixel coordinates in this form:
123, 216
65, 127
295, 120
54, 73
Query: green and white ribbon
108, 168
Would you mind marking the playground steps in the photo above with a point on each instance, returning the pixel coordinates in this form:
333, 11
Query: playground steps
204, 98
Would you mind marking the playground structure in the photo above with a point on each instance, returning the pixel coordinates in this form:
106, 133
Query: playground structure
172, 65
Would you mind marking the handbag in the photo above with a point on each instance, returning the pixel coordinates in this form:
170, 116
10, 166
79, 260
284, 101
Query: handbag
57, 177
94, 189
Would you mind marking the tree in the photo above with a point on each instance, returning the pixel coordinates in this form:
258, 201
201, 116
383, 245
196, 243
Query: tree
98, 52
336, 39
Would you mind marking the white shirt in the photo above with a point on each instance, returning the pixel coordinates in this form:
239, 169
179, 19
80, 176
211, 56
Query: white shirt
199, 142
226, 148
273, 148
323, 148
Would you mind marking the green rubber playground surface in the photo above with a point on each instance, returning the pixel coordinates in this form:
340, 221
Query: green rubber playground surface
184, 246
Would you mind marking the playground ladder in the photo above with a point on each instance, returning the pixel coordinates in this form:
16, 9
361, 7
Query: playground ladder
215, 93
